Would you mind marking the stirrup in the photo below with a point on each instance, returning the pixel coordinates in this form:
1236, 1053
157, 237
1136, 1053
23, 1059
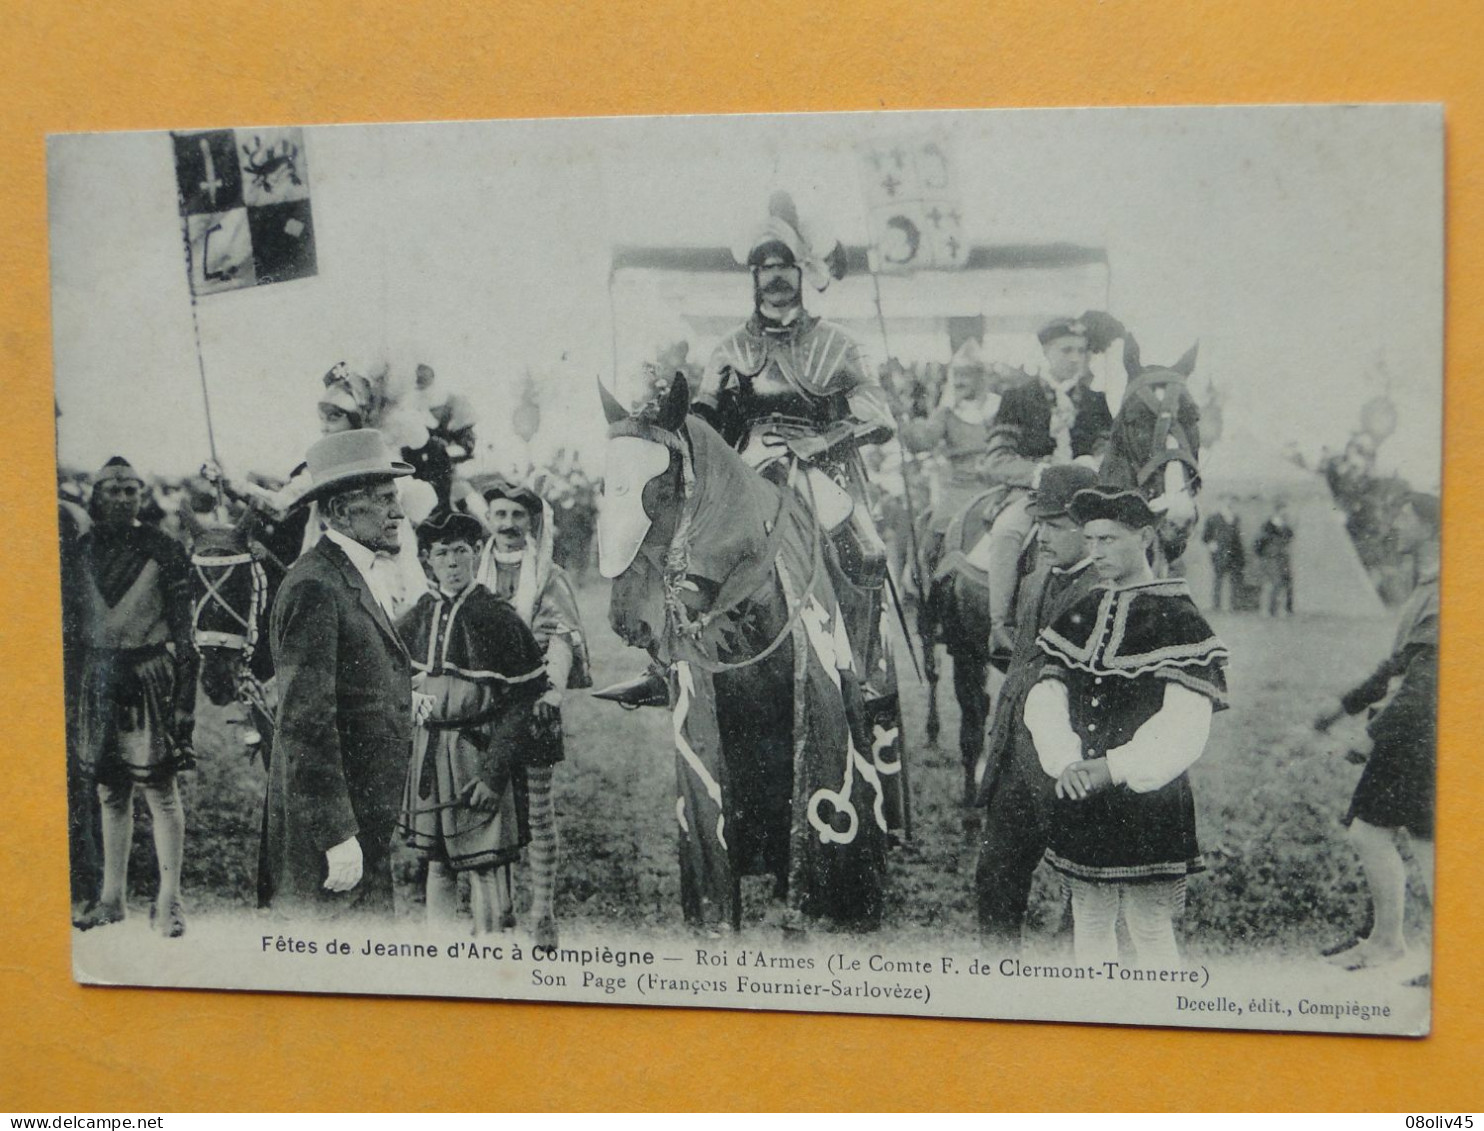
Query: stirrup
650, 689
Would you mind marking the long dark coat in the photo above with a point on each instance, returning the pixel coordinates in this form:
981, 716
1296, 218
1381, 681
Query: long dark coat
343, 738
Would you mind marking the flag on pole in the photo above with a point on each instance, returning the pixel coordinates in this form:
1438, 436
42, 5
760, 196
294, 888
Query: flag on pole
915, 205
244, 200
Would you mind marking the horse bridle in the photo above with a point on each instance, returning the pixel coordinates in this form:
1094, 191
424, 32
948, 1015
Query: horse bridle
246, 640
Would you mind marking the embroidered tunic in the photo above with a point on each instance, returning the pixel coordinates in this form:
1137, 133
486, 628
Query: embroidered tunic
137, 696
482, 667
1137, 672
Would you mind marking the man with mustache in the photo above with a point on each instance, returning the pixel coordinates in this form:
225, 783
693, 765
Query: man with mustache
517, 564
792, 391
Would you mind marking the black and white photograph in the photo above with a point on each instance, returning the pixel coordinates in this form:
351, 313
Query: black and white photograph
976, 563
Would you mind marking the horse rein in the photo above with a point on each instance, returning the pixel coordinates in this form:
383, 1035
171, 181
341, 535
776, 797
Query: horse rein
775, 538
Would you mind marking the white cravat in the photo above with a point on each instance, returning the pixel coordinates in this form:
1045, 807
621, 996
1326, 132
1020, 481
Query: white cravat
379, 570
1063, 414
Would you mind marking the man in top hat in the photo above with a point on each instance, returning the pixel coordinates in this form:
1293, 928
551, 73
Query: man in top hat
1122, 709
959, 426
137, 689
1017, 794
345, 696
1057, 418
517, 564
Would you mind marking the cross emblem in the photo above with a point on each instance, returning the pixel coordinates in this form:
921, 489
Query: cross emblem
936, 216
891, 184
953, 246
212, 181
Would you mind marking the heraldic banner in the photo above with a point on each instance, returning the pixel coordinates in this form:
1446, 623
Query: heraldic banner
244, 199
915, 205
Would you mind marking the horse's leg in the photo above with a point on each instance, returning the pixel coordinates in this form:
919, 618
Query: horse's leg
970, 670
927, 632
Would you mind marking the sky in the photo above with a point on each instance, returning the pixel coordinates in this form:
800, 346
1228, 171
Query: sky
1302, 247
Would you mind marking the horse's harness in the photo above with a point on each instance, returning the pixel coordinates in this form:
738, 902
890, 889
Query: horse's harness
250, 689
1162, 392
694, 626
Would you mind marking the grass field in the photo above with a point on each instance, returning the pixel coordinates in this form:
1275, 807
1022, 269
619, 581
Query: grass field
1269, 800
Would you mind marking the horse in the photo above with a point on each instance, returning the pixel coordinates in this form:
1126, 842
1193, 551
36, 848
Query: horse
1153, 447
955, 613
724, 577
232, 588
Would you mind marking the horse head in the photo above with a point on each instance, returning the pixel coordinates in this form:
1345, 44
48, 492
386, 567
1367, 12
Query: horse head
229, 599
643, 497
1156, 442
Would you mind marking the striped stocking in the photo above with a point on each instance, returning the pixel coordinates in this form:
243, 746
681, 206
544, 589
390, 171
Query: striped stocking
543, 843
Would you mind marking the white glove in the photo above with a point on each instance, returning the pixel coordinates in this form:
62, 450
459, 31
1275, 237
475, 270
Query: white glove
422, 708
345, 864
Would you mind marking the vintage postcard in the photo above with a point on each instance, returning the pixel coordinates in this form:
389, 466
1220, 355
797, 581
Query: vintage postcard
976, 564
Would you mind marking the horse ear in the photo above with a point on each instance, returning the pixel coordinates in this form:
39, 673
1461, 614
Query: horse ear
677, 404
246, 524
1186, 365
613, 409
1131, 357
188, 520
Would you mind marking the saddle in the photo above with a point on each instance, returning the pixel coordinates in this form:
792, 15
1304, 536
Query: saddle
966, 530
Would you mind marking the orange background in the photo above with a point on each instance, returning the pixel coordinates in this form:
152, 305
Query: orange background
162, 65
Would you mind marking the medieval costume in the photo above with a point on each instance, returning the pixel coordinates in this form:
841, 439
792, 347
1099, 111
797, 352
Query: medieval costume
1037, 423
138, 690
542, 597
793, 394
139, 674
1396, 789
1132, 676
482, 670
1016, 793
960, 432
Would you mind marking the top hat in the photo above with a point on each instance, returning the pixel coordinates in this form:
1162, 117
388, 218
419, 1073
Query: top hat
343, 461
1128, 508
1059, 484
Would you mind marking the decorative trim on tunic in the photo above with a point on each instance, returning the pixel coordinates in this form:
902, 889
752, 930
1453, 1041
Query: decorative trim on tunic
1171, 644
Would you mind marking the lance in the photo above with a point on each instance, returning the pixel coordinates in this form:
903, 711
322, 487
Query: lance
918, 570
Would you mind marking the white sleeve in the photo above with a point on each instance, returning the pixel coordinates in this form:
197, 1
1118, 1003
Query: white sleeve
1049, 720
1165, 746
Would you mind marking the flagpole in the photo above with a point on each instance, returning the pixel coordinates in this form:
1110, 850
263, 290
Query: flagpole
185, 239
917, 563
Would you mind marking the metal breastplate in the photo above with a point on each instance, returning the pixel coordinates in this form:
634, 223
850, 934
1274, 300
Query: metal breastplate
770, 393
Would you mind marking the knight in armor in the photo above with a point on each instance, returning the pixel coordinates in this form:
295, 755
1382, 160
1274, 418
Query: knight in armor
792, 393
959, 430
